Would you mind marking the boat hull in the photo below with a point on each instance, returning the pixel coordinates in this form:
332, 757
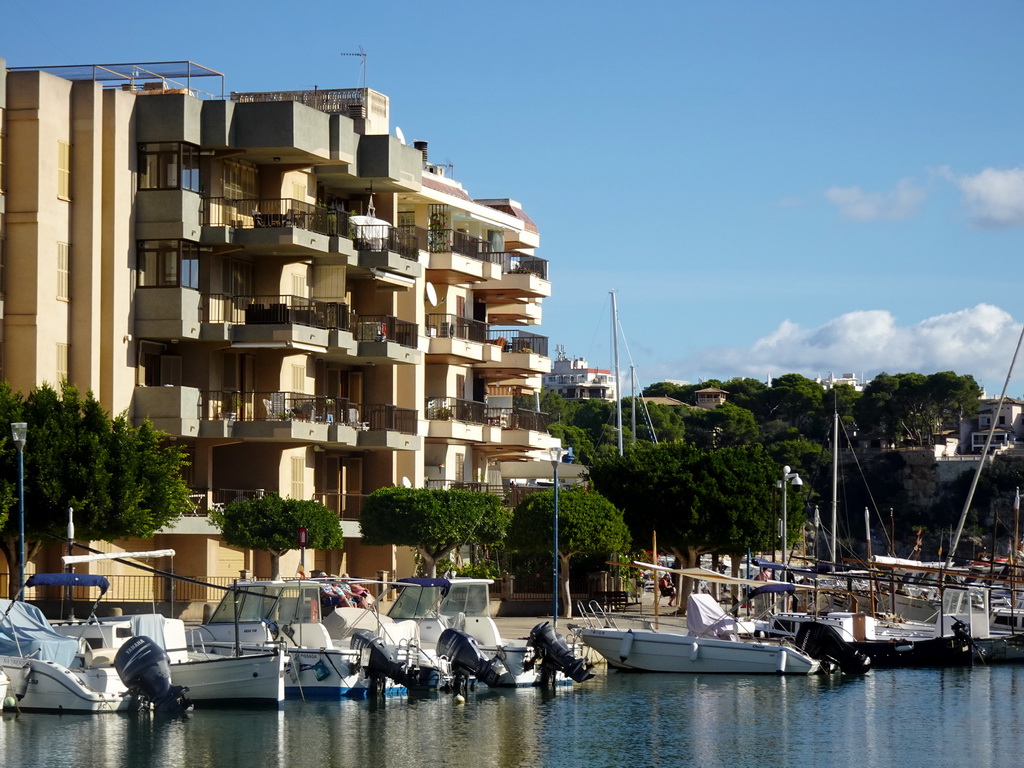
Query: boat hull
252, 679
652, 651
48, 686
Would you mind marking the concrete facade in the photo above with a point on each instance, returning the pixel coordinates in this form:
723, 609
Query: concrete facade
303, 302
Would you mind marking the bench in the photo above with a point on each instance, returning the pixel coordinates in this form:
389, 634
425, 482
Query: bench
613, 601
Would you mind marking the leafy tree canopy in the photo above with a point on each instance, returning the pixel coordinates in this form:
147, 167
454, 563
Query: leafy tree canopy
271, 524
433, 521
121, 481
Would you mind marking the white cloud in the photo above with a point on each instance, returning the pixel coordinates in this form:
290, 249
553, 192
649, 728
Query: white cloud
979, 341
854, 203
995, 198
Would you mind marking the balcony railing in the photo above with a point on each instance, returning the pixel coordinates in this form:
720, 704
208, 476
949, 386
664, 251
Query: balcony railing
443, 240
455, 327
384, 237
513, 263
274, 212
281, 406
384, 328
275, 310
518, 418
519, 341
383, 416
347, 506
493, 489
454, 409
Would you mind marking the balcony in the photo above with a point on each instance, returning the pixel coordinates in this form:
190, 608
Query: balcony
167, 312
457, 257
389, 254
278, 321
454, 420
386, 340
523, 355
522, 278
279, 226
174, 410
389, 427
456, 340
520, 428
281, 416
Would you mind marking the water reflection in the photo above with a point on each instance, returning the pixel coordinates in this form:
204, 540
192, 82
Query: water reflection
970, 717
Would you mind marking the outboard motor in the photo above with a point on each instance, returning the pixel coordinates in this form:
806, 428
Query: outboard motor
145, 669
380, 661
824, 643
555, 654
468, 660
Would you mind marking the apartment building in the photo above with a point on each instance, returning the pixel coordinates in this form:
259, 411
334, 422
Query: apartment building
573, 379
297, 297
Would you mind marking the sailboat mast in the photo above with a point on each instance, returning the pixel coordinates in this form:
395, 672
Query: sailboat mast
632, 403
618, 381
835, 483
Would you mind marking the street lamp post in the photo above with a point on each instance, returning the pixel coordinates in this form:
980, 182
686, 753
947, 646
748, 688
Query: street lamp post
19, 432
555, 452
787, 478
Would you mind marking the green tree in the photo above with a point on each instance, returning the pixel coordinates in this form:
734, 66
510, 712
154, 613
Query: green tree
433, 521
720, 427
121, 481
271, 524
697, 501
587, 524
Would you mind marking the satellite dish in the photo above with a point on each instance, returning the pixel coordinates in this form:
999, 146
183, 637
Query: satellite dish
399, 134
431, 294
406, 482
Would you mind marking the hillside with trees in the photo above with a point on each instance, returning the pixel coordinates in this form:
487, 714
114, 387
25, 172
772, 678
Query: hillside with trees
790, 422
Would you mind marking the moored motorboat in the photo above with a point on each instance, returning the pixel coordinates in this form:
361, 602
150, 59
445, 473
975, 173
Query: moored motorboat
711, 645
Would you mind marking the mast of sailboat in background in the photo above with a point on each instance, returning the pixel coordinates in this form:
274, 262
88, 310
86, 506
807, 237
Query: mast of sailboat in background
632, 403
835, 483
977, 472
618, 381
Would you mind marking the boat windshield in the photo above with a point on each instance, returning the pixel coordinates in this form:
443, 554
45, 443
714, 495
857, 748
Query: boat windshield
469, 599
281, 603
416, 602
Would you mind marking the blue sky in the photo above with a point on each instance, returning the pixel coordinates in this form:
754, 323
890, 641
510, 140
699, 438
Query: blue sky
768, 186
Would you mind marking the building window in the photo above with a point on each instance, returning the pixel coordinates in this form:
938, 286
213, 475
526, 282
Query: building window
1, 164
168, 263
298, 471
62, 362
169, 165
3, 267
63, 170
240, 181
298, 378
64, 271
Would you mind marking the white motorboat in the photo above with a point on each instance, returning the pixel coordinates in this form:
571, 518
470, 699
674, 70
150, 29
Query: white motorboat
261, 615
42, 670
249, 679
711, 645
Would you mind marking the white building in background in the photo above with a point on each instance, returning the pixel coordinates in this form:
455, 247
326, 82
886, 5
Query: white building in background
575, 380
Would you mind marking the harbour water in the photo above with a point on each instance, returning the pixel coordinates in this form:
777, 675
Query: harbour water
962, 717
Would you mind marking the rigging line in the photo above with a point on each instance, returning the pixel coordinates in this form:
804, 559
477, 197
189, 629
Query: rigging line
867, 488
643, 403
984, 456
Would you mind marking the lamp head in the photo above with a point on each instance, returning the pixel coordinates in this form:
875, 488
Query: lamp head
797, 480
555, 452
19, 432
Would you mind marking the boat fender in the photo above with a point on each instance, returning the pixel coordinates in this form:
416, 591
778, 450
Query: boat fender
694, 651
904, 648
626, 646
782, 661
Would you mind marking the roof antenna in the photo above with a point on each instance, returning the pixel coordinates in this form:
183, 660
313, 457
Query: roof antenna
362, 64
